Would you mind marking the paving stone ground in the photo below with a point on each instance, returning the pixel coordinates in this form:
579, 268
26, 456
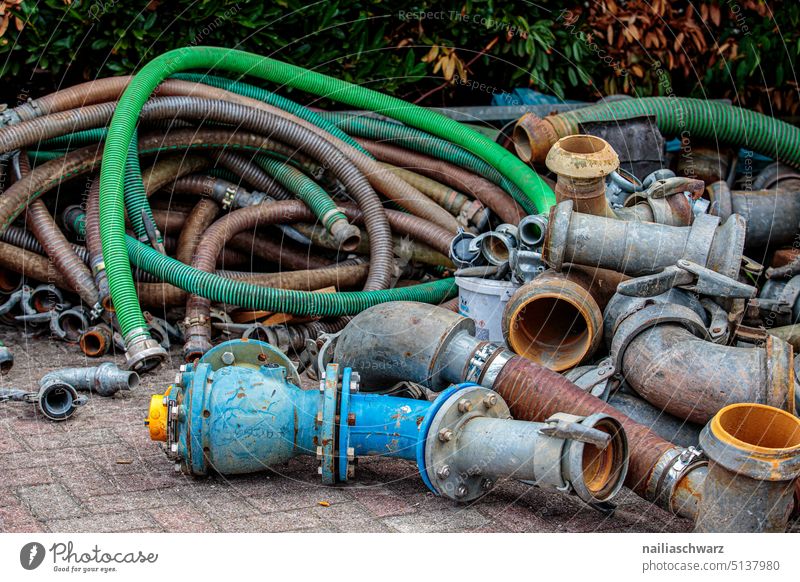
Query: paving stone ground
99, 472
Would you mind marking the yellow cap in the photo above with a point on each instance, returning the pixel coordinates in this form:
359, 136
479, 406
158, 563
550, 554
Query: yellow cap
157, 418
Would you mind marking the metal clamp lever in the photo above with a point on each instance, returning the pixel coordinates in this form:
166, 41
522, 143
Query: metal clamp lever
690, 276
562, 429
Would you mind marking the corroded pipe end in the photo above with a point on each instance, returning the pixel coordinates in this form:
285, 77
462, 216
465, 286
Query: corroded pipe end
533, 137
553, 321
346, 235
582, 163
755, 440
582, 157
95, 342
599, 473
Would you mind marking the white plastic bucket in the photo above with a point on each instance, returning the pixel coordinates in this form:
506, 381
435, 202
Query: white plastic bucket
483, 301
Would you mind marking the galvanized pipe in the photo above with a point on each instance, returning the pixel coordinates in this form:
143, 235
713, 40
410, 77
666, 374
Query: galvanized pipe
239, 393
772, 216
639, 248
106, 379
434, 347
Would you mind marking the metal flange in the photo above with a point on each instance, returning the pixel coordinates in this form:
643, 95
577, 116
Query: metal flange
450, 413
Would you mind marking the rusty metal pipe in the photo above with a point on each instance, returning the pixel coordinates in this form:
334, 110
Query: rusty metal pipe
754, 461
692, 378
554, 320
772, 216
435, 347
638, 248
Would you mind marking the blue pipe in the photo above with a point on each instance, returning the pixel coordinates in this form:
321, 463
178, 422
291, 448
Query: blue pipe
240, 409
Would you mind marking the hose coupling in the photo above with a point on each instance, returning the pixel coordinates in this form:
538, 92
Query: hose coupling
143, 353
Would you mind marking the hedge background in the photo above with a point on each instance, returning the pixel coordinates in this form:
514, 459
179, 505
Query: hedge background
744, 50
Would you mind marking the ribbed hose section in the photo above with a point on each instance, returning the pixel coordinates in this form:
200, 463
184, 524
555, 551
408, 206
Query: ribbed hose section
58, 248
251, 173
26, 263
535, 393
386, 183
22, 135
425, 143
117, 247
381, 254
92, 236
272, 99
24, 239
17, 197
89, 93
197, 325
297, 135
200, 218
169, 169
491, 195
56, 245
698, 118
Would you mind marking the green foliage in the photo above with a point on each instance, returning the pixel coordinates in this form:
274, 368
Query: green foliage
373, 42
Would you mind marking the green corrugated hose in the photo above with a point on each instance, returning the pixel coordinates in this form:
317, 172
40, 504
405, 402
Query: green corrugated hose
696, 118
122, 132
304, 188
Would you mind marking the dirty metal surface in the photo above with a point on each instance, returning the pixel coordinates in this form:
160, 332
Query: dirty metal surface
100, 472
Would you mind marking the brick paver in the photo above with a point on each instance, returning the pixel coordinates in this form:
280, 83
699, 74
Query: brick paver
100, 472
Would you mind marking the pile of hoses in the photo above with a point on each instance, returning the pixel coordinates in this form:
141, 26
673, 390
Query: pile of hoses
239, 185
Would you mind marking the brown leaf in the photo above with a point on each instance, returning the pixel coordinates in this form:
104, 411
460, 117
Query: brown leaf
716, 16
4, 24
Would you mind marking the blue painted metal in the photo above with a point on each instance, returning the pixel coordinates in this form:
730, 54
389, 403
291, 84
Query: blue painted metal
419, 452
386, 425
243, 418
344, 427
326, 443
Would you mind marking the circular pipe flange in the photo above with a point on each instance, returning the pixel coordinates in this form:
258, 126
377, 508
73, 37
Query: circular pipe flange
466, 402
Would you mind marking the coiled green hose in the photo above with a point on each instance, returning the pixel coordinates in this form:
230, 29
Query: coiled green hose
219, 289
696, 118
122, 131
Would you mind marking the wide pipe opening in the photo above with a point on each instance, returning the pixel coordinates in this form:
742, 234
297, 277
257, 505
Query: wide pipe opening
582, 144
553, 331
522, 142
602, 468
757, 426
93, 344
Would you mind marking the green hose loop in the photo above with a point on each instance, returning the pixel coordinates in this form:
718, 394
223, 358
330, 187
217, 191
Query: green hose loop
122, 132
304, 188
136, 202
272, 99
425, 143
697, 118
218, 289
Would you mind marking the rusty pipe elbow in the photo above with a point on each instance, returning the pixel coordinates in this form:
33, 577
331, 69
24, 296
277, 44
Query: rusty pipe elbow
533, 137
553, 321
754, 460
691, 378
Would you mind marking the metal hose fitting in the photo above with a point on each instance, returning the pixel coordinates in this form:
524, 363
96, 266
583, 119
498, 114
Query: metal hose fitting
754, 460
106, 379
